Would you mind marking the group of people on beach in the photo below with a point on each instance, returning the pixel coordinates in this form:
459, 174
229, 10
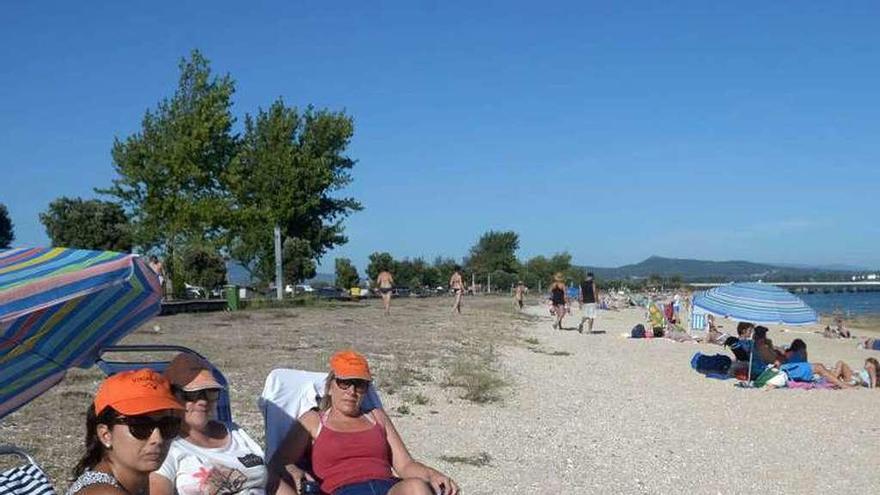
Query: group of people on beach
385, 285
155, 433
587, 296
755, 352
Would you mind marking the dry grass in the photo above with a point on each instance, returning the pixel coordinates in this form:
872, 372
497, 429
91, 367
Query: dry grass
421, 342
479, 460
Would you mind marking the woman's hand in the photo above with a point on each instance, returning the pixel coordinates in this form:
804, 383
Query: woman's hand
298, 475
442, 484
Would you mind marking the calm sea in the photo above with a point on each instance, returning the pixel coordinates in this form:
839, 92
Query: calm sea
851, 303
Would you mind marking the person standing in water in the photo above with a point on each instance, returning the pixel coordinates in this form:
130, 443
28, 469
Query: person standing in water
588, 298
457, 286
385, 281
518, 294
557, 298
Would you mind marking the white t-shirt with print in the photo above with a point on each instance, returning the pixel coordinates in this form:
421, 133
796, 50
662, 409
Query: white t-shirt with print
238, 468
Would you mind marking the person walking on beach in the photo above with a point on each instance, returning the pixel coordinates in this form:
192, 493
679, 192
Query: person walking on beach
518, 294
159, 268
589, 296
385, 281
457, 286
557, 298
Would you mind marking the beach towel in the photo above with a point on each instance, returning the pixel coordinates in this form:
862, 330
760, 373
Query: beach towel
821, 384
289, 393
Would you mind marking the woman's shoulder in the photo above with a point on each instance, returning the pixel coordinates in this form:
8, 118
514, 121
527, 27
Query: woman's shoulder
310, 420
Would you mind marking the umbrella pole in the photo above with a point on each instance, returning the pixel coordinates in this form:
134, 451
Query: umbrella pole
751, 354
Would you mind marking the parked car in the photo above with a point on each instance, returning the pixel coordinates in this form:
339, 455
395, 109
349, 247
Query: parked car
331, 293
298, 289
402, 292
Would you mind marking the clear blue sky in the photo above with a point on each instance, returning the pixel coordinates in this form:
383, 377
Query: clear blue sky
714, 130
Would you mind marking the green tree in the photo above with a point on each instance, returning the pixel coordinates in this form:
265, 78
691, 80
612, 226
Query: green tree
171, 173
289, 165
380, 262
298, 260
346, 274
494, 251
87, 224
7, 235
203, 267
445, 267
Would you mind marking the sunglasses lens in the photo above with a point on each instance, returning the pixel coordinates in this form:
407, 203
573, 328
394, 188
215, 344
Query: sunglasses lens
359, 385
142, 428
210, 394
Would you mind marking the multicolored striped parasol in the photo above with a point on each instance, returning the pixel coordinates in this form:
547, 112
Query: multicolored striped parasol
58, 307
755, 303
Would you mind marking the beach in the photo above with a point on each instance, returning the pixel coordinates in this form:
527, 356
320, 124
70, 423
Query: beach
555, 412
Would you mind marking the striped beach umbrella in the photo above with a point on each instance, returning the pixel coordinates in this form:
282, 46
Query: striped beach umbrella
755, 303
59, 307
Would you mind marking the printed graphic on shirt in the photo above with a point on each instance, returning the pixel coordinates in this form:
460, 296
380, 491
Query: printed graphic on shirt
250, 460
217, 480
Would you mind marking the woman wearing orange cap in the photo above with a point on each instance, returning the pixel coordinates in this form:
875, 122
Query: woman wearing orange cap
209, 457
353, 452
129, 428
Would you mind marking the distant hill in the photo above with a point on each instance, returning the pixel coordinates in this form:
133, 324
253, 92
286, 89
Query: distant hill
702, 270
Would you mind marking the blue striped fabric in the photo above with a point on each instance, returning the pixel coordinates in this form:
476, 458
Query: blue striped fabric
756, 303
59, 307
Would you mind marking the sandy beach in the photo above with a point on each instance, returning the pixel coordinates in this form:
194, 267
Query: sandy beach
576, 413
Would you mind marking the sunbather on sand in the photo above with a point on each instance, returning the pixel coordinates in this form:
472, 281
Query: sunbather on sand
208, 456
355, 452
807, 372
870, 344
865, 377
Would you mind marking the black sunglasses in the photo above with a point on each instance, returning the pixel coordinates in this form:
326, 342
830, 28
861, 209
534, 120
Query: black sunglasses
358, 384
141, 427
208, 394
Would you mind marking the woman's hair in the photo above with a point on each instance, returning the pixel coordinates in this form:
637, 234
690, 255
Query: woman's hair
797, 345
760, 333
876, 365
326, 402
95, 450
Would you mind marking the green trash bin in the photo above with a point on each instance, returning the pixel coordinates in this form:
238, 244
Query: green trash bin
232, 297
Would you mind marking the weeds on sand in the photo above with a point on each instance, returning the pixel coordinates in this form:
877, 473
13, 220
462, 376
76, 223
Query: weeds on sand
402, 377
538, 350
478, 377
403, 409
532, 341
480, 460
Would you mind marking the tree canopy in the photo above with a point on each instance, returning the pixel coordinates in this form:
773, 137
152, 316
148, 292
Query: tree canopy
7, 235
87, 224
494, 251
380, 262
346, 274
289, 165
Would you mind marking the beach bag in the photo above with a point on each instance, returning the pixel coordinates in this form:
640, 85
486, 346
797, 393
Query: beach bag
766, 376
638, 331
715, 364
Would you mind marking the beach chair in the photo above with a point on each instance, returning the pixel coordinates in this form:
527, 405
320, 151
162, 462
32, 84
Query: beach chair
27, 478
288, 394
113, 366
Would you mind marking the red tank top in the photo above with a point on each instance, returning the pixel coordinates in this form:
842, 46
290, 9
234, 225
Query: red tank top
341, 458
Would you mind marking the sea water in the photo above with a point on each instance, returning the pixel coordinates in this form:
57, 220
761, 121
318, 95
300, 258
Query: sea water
850, 303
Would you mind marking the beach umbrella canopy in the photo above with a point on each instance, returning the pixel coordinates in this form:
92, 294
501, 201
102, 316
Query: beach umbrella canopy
756, 303
59, 307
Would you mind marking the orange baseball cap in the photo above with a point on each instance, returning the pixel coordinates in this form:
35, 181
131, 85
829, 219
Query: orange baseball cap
135, 392
191, 373
350, 364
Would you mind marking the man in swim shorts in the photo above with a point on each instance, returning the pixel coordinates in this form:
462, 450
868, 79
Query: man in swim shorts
385, 281
588, 297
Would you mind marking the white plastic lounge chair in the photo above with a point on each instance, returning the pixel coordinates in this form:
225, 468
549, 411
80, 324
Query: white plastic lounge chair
26, 479
288, 394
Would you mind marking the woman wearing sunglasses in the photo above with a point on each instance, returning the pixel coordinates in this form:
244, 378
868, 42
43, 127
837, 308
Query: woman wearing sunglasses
129, 428
209, 457
353, 452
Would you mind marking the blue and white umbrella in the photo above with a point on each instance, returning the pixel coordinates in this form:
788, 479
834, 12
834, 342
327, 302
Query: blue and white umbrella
756, 303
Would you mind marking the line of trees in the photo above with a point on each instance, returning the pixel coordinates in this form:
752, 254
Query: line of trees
7, 233
195, 192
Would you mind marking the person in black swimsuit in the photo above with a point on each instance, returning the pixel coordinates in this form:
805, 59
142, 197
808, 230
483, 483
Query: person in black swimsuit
557, 298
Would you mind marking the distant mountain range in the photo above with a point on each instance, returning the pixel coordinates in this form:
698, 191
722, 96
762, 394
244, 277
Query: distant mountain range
702, 270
